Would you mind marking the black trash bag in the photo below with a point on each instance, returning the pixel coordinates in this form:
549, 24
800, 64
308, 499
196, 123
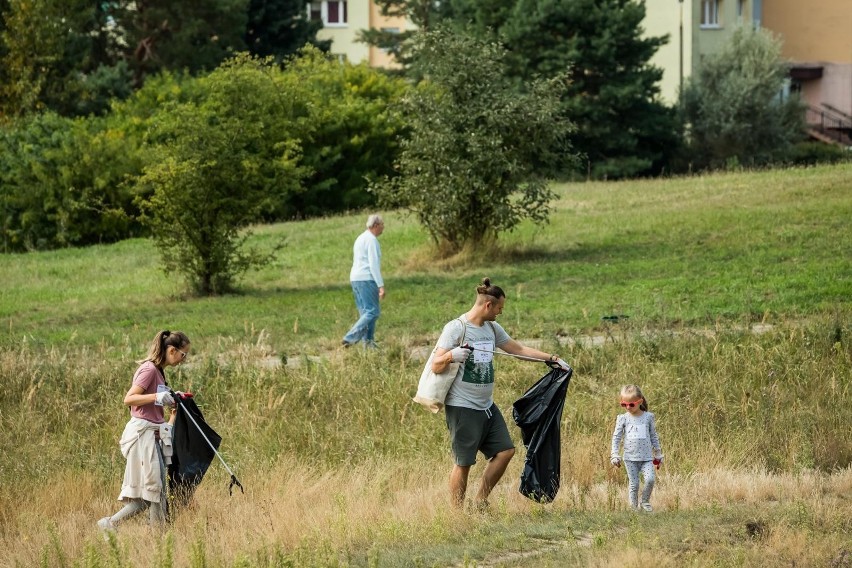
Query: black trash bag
538, 413
192, 453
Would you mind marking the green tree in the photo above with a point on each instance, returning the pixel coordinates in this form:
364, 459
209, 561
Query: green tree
348, 126
280, 28
223, 161
191, 36
476, 160
732, 106
623, 129
42, 40
63, 182
59, 55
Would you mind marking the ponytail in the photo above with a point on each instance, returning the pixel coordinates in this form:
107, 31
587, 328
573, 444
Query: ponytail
160, 344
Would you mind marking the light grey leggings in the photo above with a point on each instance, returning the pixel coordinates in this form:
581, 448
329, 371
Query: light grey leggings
650, 476
157, 511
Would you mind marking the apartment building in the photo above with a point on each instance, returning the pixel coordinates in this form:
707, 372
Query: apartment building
696, 29
816, 38
342, 20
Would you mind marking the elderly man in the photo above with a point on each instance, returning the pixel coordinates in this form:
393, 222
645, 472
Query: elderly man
474, 421
367, 284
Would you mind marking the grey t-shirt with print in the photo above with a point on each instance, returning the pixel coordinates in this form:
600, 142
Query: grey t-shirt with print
474, 388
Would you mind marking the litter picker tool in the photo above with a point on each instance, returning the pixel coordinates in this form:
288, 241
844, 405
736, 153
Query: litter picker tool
234, 480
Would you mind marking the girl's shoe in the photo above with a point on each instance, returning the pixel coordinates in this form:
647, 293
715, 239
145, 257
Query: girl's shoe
647, 507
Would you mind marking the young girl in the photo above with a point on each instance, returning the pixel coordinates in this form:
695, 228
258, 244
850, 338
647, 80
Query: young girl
144, 485
641, 445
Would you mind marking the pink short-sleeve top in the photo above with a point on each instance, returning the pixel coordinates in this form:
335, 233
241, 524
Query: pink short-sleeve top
149, 377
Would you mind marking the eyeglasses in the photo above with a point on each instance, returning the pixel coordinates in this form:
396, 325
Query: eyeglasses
630, 404
183, 354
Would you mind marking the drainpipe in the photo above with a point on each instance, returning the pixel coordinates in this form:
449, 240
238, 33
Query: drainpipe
680, 38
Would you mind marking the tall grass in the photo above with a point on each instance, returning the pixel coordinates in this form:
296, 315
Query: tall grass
338, 460
342, 469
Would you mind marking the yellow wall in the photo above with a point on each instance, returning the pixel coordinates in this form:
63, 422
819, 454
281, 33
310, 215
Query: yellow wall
815, 30
378, 58
664, 18
362, 15
343, 38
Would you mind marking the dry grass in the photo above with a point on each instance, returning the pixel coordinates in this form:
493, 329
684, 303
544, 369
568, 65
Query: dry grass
318, 518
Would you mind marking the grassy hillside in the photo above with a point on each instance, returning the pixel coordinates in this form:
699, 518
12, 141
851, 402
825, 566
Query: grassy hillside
341, 469
697, 250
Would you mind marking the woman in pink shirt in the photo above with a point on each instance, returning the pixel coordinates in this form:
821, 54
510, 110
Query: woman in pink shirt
144, 485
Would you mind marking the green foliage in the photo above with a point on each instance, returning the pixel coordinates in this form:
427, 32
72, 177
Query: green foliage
63, 182
813, 153
44, 43
279, 28
72, 182
225, 159
348, 126
475, 162
732, 107
73, 56
192, 36
653, 250
623, 130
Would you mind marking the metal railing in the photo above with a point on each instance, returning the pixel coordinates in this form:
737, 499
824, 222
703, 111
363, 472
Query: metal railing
830, 123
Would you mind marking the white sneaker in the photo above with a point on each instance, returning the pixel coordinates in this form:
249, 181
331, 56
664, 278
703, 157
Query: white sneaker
647, 507
105, 524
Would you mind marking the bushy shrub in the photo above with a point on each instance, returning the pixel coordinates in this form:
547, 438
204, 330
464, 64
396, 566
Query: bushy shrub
732, 109
222, 160
348, 127
812, 153
63, 182
72, 182
478, 154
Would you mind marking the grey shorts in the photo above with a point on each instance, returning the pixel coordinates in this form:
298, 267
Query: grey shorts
474, 431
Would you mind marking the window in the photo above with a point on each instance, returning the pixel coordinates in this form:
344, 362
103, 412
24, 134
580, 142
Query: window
331, 12
710, 13
315, 11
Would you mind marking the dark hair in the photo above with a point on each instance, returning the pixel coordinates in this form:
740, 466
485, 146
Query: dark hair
162, 341
486, 289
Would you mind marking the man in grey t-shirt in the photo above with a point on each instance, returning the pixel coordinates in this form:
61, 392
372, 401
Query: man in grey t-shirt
474, 421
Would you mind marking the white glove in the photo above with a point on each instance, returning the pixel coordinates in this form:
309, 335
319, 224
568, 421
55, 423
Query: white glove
563, 365
460, 354
164, 398
616, 461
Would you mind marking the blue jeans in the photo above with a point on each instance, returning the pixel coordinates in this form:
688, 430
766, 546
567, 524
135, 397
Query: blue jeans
366, 294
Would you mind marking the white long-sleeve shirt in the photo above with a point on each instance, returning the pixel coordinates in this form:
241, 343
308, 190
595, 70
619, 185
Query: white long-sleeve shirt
366, 259
639, 433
